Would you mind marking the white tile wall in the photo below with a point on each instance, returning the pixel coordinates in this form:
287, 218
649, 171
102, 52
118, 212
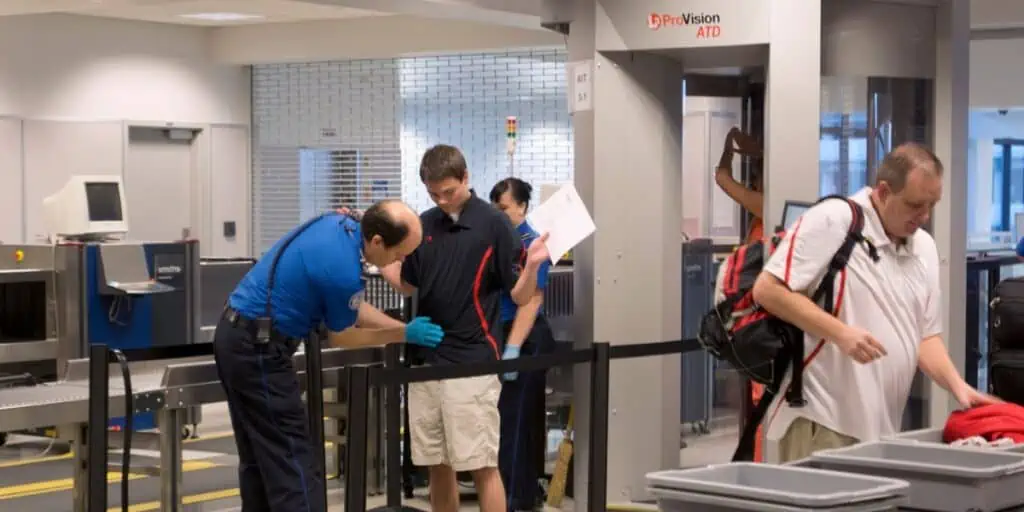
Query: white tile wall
464, 100
391, 110
340, 105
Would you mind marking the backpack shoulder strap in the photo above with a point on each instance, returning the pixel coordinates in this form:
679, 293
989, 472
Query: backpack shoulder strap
825, 294
854, 237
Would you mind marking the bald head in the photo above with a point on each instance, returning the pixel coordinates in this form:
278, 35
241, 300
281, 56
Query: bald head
391, 231
906, 158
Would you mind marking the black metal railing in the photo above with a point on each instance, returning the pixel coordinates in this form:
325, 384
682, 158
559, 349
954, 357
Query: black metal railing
100, 358
392, 375
389, 374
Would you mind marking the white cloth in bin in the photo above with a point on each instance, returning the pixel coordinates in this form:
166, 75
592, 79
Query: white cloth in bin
981, 442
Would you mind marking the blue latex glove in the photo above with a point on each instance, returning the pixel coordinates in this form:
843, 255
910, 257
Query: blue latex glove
421, 331
511, 352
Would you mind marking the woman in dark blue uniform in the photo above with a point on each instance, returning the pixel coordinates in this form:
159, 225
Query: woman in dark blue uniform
311, 276
523, 432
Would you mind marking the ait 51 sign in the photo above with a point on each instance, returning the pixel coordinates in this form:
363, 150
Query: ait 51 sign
705, 26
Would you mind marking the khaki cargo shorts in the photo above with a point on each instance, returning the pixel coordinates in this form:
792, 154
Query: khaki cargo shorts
805, 437
455, 422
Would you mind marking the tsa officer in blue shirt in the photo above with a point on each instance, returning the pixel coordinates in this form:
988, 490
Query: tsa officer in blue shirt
311, 276
526, 332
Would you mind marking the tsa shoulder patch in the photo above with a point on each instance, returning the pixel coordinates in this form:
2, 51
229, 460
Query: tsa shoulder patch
356, 300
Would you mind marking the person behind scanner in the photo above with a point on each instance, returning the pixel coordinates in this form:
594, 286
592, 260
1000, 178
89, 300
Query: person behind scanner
316, 276
526, 331
860, 360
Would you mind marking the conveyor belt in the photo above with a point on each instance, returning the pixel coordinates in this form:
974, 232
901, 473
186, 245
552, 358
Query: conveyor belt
168, 390
24, 408
177, 384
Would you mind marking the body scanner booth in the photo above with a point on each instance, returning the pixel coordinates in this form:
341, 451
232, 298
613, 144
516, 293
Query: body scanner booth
808, 77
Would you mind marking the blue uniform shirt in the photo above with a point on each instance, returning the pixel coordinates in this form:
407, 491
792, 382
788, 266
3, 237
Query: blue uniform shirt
318, 279
508, 306
1020, 248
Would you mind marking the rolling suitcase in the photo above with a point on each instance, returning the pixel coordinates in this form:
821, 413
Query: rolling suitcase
1006, 340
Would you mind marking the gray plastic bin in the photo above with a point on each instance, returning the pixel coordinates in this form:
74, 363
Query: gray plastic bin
764, 487
941, 478
934, 436
806, 462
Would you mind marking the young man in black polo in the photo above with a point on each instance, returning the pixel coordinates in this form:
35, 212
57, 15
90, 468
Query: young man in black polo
470, 253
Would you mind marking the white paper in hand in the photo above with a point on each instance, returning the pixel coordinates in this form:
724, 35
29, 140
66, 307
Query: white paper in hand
564, 218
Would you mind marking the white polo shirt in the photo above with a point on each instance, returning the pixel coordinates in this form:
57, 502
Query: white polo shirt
896, 299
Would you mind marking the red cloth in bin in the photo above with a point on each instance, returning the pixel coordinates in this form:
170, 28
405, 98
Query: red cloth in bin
993, 422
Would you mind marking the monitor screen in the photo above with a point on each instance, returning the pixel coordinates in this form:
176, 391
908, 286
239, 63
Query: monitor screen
104, 202
792, 211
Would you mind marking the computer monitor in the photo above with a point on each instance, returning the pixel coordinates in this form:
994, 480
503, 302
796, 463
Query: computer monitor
87, 205
792, 211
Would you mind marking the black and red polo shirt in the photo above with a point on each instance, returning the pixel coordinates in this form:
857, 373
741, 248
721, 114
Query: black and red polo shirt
460, 271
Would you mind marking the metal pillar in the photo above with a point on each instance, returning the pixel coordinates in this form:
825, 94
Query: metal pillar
597, 490
375, 442
170, 423
315, 408
80, 452
393, 425
355, 447
99, 414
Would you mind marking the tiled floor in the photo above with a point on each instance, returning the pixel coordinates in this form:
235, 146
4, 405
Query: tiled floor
29, 481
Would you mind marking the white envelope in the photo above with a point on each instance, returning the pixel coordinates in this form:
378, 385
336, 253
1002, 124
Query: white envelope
564, 218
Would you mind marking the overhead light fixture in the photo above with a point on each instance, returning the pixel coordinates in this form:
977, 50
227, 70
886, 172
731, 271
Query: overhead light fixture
221, 16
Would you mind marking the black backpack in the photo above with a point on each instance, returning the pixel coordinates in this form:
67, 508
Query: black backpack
1006, 340
755, 343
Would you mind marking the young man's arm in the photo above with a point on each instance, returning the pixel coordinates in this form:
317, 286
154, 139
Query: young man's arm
526, 316
395, 275
526, 285
527, 313
797, 264
517, 276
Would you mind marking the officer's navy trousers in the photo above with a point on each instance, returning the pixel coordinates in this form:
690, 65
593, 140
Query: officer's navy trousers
275, 470
523, 424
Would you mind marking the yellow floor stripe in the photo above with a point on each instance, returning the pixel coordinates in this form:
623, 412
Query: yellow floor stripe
210, 437
66, 484
36, 460
186, 500
68, 456
45, 487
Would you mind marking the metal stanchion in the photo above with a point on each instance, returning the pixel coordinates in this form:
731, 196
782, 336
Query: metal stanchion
597, 492
315, 408
170, 422
99, 413
355, 449
392, 428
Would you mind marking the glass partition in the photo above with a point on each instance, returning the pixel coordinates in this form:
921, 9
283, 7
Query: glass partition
844, 135
862, 119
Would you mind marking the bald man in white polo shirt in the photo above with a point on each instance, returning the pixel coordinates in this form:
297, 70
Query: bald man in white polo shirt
860, 362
